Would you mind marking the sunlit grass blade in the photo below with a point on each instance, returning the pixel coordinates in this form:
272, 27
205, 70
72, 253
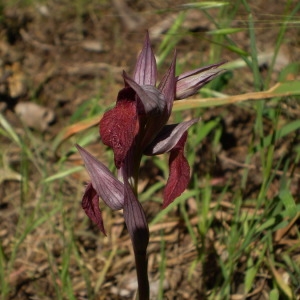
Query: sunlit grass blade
231, 47
10, 131
150, 191
274, 294
170, 39
281, 133
105, 269
63, 174
159, 217
280, 281
283, 89
225, 31
281, 34
236, 50
288, 202
205, 4
258, 83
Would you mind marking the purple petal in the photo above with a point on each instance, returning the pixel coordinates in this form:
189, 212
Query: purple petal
135, 221
90, 204
168, 137
106, 185
167, 85
145, 72
152, 99
159, 103
188, 83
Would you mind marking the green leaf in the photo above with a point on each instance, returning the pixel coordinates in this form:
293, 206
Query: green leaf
287, 88
236, 50
274, 294
288, 202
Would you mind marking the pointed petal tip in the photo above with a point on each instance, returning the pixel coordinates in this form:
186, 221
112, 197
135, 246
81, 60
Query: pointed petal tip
78, 147
145, 72
126, 78
168, 84
189, 83
222, 62
83, 153
147, 36
168, 137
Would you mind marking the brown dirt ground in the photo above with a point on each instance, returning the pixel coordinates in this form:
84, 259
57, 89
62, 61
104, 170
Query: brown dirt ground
59, 56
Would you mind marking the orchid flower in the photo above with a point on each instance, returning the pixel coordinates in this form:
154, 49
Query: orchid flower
137, 126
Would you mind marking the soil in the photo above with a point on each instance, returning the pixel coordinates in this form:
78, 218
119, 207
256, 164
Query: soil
58, 55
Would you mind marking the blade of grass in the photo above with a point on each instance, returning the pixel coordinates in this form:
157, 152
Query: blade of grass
171, 39
205, 4
280, 281
62, 174
105, 269
159, 217
224, 31
283, 89
258, 82
253, 268
11, 133
279, 41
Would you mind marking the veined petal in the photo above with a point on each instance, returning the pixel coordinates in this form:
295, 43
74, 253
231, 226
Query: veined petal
168, 137
90, 204
159, 102
135, 220
179, 176
145, 72
109, 189
152, 100
119, 126
167, 85
188, 83
137, 227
